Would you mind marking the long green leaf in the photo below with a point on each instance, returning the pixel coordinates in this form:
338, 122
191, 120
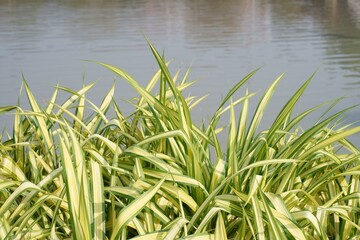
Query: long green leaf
131, 210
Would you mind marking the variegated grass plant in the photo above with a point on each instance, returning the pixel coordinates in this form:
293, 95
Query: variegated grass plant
156, 175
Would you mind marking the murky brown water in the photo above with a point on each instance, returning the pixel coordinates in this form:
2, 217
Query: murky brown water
222, 40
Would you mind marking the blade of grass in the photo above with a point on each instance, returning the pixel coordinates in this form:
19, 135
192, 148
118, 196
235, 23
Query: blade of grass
131, 210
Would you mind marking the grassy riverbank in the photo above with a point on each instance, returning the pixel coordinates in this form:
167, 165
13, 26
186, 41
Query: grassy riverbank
156, 175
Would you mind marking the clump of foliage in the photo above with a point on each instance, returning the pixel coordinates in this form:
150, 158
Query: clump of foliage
156, 175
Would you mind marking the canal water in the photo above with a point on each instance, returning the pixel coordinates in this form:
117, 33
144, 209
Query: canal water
222, 41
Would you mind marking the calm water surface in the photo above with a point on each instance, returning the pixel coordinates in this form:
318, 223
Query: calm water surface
221, 40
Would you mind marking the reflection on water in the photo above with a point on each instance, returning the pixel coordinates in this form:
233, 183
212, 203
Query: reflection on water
223, 40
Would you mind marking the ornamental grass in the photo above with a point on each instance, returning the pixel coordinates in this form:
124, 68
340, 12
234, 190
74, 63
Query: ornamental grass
74, 170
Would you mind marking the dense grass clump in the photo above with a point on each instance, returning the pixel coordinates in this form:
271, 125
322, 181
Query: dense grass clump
154, 174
